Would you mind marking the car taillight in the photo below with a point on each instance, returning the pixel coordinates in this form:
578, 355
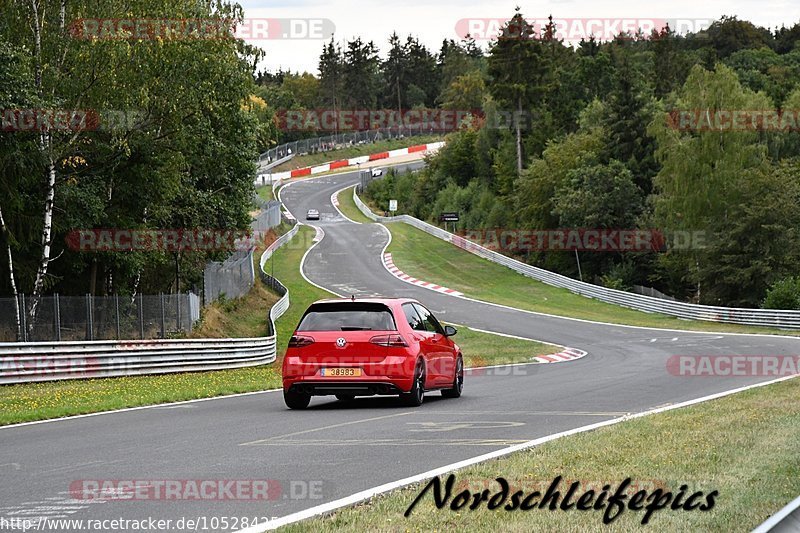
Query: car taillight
394, 341
298, 341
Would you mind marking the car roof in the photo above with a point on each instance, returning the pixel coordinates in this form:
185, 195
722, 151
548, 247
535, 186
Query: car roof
386, 301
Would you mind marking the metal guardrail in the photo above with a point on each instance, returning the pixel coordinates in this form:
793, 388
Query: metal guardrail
281, 305
47, 361
788, 319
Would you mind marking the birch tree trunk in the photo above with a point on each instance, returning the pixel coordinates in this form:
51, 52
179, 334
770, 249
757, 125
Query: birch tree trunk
47, 235
10, 262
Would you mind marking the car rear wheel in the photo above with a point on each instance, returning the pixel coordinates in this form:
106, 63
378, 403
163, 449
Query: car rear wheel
414, 397
458, 381
296, 400
345, 397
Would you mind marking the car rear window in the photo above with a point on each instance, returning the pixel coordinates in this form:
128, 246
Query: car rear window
356, 316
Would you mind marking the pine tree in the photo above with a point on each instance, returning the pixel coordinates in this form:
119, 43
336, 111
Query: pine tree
515, 69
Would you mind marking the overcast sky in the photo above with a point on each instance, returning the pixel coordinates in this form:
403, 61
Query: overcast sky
434, 20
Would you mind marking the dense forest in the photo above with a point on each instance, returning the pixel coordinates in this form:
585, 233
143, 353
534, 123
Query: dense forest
594, 145
171, 139
599, 146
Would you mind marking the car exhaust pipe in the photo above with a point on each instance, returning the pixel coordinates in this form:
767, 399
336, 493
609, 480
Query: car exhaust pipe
383, 389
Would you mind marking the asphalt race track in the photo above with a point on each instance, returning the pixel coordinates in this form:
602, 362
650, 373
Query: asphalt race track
330, 450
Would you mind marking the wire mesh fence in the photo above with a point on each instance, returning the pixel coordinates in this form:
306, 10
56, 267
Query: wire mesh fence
76, 318
269, 217
337, 141
230, 279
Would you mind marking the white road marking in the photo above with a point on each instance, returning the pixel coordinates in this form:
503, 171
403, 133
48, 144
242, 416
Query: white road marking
386, 487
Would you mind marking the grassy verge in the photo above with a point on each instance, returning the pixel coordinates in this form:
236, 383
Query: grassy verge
265, 193
245, 317
308, 160
754, 468
348, 206
425, 257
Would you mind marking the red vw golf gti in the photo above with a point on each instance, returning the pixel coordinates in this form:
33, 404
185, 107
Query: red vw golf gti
363, 347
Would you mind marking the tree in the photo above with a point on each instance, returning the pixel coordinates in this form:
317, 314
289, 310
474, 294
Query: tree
599, 196
466, 92
758, 243
702, 170
361, 74
304, 88
182, 158
729, 34
626, 124
515, 70
786, 39
330, 74
536, 188
394, 73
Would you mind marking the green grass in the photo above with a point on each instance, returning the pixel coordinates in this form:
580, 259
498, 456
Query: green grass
483, 349
265, 193
348, 206
245, 317
40, 401
284, 265
744, 446
425, 257
308, 160
754, 468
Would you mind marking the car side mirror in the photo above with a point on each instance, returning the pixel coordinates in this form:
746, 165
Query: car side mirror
449, 331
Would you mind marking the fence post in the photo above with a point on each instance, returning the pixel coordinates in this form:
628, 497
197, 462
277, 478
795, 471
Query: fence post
163, 318
24, 316
89, 325
178, 325
141, 317
189, 307
57, 316
116, 306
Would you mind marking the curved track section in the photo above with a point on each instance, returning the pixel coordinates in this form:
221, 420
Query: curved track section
333, 450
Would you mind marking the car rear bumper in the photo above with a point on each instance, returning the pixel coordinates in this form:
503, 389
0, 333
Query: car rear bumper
356, 388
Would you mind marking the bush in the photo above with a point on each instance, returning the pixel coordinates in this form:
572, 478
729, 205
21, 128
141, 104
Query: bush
784, 294
620, 276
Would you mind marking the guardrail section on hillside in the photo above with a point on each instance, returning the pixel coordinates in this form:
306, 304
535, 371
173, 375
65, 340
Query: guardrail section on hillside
48, 361
787, 319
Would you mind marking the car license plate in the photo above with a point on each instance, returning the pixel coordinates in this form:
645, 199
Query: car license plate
341, 372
